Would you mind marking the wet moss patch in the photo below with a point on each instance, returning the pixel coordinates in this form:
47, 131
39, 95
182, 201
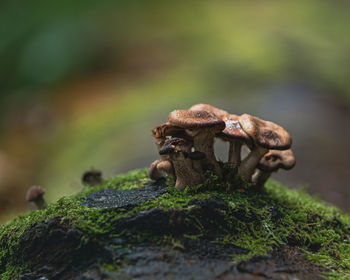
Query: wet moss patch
110, 198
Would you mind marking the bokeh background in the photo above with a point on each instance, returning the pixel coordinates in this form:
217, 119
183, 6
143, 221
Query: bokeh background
83, 82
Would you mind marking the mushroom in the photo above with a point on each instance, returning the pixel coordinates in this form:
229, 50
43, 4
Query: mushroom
160, 169
271, 162
161, 132
234, 134
203, 126
222, 114
178, 150
265, 136
92, 177
35, 194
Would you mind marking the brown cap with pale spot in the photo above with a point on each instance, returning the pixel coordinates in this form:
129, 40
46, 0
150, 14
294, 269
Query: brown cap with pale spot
34, 193
233, 130
275, 160
222, 114
196, 119
265, 134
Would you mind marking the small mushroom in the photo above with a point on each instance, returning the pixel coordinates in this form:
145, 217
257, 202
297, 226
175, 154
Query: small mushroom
162, 131
178, 150
92, 177
35, 194
160, 169
222, 114
203, 126
271, 162
234, 134
265, 136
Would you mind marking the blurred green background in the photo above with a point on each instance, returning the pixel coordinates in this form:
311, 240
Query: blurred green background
83, 82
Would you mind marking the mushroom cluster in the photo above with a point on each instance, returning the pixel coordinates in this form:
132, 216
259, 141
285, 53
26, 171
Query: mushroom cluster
186, 146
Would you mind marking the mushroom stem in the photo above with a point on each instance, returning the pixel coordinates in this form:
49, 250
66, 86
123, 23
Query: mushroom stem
40, 202
178, 150
185, 175
203, 141
234, 155
259, 178
249, 164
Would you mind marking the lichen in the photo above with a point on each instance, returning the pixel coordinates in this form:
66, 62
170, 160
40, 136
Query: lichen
256, 221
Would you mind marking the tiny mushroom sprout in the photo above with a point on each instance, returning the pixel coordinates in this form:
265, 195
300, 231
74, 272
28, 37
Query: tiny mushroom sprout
271, 162
178, 150
35, 194
92, 177
265, 136
160, 169
203, 126
234, 134
222, 114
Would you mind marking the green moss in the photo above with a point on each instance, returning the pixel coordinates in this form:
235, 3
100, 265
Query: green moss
256, 221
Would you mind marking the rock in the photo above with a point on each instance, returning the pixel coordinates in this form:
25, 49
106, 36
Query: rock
54, 250
156, 232
56, 253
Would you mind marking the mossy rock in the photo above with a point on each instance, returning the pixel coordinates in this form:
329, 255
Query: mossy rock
132, 228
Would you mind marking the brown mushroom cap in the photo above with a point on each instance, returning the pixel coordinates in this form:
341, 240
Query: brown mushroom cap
265, 134
160, 169
171, 144
196, 155
92, 174
34, 193
196, 119
233, 130
165, 166
93, 171
152, 170
166, 129
275, 160
222, 114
